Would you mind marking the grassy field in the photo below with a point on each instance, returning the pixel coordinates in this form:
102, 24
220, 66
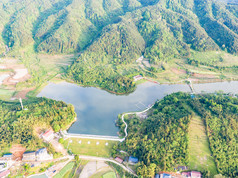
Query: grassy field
91, 149
200, 155
109, 175
6, 94
4, 151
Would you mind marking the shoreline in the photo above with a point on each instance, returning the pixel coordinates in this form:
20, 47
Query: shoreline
58, 80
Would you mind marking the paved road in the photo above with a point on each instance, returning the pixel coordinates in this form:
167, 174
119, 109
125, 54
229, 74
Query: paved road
107, 159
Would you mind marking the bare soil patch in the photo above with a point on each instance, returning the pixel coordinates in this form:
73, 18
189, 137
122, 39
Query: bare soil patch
178, 71
17, 72
17, 151
22, 94
207, 76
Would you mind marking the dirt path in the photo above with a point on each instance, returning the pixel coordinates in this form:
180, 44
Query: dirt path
22, 94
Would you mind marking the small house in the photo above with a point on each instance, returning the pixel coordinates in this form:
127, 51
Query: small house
196, 174
8, 156
186, 174
133, 160
3, 165
29, 156
119, 160
4, 174
164, 175
42, 155
48, 135
157, 176
137, 77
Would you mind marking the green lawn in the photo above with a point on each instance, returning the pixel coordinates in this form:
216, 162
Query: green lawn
91, 149
200, 155
6, 94
109, 175
4, 151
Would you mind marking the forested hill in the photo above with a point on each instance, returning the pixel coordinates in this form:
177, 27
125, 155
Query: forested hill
163, 140
19, 126
133, 26
108, 34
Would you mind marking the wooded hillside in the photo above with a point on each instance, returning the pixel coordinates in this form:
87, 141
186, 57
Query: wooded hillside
110, 34
161, 141
19, 126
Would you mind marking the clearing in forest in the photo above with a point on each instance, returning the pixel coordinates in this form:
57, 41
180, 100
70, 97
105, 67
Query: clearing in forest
89, 147
200, 156
17, 151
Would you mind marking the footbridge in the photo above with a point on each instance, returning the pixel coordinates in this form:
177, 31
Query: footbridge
191, 86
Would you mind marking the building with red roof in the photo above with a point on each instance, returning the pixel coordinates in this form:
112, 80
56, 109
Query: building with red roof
192, 174
137, 77
48, 135
186, 174
119, 160
196, 174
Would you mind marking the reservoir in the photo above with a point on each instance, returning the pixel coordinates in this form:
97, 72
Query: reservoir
97, 109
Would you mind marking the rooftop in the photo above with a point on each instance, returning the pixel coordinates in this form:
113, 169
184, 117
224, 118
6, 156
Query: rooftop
7, 155
118, 159
133, 159
48, 133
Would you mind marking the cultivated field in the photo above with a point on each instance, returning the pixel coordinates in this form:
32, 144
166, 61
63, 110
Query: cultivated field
200, 155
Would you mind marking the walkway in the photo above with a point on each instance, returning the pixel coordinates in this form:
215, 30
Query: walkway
97, 137
122, 117
191, 86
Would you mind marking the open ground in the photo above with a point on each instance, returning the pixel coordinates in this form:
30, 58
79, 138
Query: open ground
200, 156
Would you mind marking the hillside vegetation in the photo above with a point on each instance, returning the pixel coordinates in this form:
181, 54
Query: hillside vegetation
110, 35
19, 126
161, 141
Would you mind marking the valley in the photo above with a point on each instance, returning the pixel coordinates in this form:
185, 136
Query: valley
76, 74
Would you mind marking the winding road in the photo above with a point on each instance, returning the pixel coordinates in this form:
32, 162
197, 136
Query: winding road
128, 113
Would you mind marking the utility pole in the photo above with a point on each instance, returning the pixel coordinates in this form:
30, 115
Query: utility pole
21, 103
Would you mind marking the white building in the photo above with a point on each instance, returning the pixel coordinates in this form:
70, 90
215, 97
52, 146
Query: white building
42, 155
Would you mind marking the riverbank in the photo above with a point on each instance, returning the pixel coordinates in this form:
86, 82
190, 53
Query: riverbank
36, 91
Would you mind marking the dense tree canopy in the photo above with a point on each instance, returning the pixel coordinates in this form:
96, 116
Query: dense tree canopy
109, 34
161, 140
18, 126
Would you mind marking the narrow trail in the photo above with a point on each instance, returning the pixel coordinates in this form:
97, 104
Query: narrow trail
129, 113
